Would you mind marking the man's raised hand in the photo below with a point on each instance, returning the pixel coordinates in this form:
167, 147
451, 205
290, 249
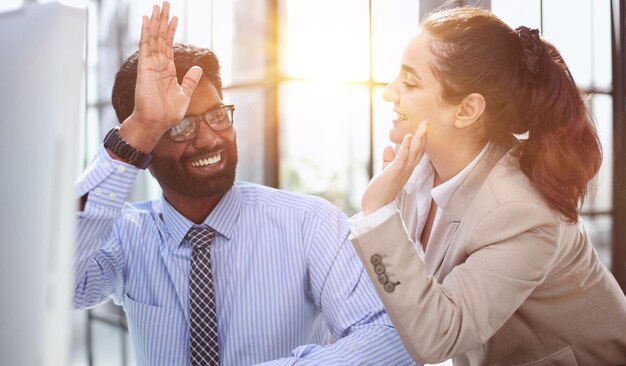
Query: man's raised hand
160, 101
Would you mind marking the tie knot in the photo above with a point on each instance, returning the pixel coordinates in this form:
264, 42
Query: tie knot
200, 236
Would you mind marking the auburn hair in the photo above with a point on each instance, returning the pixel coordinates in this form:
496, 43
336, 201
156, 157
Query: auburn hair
476, 52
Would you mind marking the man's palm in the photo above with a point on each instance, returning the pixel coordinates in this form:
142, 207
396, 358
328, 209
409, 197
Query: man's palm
159, 100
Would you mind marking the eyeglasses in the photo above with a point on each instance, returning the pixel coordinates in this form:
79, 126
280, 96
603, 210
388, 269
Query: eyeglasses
219, 119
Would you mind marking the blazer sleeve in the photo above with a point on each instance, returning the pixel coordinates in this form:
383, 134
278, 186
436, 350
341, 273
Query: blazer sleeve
509, 253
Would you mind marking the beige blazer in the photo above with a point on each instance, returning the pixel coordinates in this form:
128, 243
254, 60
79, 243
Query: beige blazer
504, 280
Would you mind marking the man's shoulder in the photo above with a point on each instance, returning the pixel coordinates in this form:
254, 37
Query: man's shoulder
262, 196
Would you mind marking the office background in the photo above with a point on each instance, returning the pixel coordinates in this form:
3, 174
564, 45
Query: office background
307, 78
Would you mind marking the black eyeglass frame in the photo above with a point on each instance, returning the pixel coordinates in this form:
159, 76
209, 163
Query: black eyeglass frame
229, 112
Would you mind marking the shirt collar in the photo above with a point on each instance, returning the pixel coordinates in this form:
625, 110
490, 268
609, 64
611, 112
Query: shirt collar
422, 172
443, 192
222, 219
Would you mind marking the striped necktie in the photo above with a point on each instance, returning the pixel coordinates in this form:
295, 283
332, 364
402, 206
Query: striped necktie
203, 345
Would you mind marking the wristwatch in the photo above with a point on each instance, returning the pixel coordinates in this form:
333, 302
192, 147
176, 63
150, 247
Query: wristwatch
116, 143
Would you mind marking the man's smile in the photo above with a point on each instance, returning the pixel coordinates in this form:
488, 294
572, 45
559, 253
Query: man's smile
206, 161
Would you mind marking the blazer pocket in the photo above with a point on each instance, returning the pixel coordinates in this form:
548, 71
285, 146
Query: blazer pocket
158, 333
562, 357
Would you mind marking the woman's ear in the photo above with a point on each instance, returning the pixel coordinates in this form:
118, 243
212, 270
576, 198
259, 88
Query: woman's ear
469, 110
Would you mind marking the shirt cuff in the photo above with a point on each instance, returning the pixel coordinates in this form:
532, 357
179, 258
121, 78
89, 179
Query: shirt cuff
361, 225
107, 181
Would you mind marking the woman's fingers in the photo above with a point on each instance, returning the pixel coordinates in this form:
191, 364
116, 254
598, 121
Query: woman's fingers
388, 156
403, 153
418, 144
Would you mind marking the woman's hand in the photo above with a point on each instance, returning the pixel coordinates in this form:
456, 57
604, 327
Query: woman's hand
386, 185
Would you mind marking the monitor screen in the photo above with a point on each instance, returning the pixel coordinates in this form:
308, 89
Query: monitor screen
42, 103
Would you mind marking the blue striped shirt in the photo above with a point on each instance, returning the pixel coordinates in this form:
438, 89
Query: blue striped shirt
286, 277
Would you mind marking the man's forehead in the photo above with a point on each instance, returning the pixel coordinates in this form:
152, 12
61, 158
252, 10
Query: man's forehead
205, 97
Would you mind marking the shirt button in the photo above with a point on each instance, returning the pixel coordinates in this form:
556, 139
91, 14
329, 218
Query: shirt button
121, 169
376, 259
389, 287
97, 191
105, 165
112, 196
379, 269
383, 279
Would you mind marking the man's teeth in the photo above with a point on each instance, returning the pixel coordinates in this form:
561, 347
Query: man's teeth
208, 161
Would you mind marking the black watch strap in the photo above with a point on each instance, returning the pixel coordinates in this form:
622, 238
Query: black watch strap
116, 143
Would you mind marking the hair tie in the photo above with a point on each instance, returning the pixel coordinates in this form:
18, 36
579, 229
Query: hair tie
531, 48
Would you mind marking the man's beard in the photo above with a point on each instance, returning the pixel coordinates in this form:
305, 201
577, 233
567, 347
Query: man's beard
173, 174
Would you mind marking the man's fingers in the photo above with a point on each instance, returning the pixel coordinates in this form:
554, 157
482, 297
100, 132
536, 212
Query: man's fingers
144, 39
171, 30
191, 80
154, 28
164, 20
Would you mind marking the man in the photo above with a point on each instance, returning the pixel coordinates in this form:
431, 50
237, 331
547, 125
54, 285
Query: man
214, 272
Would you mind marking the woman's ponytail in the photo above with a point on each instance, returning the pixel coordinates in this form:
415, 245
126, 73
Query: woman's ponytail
562, 152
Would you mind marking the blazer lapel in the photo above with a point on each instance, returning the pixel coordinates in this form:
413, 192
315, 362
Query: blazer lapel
451, 217
407, 202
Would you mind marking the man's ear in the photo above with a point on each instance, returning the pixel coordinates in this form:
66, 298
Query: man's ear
469, 110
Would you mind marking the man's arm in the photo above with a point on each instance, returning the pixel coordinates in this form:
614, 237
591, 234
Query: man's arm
160, 103
355, 315
99, 260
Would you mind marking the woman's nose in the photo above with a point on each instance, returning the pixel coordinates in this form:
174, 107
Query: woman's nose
390, 93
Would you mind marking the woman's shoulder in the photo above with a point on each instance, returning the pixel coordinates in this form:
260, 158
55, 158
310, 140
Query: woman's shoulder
507, 184
509, 196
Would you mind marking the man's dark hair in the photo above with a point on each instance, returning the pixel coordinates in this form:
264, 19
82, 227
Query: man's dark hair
185, 56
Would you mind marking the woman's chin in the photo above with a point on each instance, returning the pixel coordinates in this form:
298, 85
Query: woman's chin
396, 137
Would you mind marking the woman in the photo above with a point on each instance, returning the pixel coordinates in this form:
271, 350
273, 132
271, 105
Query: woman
508, 275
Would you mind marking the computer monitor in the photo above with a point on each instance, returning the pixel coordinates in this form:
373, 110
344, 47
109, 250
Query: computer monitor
42, 102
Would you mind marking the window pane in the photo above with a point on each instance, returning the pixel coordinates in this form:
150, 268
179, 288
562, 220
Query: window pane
383, 117
518, 12
602, 108
239, 38
326, 39
249, 124
599, 230
10, 4
393, 24
571, 34
199, 23
324, 141
601, 44
92, 134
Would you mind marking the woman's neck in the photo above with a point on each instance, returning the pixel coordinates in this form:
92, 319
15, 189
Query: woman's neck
455, 157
